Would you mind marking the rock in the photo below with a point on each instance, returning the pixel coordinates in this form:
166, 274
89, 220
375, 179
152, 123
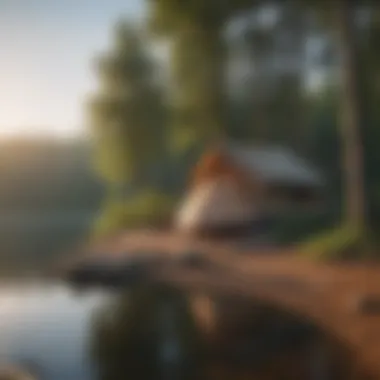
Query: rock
15, 373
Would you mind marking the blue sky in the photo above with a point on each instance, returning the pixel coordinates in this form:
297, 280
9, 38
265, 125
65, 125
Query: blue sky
46, 53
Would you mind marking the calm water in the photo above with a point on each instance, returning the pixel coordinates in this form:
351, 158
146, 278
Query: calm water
49, 329
48, 326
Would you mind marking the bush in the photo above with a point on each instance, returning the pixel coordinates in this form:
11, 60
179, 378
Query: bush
342, 243
147, 209
298, 226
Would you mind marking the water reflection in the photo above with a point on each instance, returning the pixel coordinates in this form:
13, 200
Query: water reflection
62, 334
47, 327
149, 334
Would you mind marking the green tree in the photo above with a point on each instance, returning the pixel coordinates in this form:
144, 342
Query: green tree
354, 240
128, 114
198, 59
274, 97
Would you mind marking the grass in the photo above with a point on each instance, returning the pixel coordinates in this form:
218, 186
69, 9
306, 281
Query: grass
341, 243
148, 208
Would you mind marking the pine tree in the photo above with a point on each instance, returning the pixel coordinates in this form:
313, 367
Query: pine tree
127, 115
196, 30
352, 116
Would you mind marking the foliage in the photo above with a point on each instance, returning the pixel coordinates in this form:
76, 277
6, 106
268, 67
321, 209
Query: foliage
342, 243
324, 149
167, 17
127, 115
297, 226
198, 65
147, 208
128, 118
274, 107
274, 92
129, 336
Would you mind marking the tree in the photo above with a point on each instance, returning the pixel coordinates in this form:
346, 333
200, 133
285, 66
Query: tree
196, 30
273, 92
352, 117
354, 239
128, 114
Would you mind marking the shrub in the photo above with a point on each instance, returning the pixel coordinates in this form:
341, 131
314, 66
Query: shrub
298, 226
342, 243
147, 209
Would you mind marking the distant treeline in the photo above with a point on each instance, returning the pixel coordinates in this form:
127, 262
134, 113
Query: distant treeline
48, 200
47, 175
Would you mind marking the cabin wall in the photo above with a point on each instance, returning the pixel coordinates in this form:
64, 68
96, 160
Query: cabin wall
216, 203
220, 194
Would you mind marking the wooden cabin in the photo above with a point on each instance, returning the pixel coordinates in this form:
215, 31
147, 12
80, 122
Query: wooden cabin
234, 185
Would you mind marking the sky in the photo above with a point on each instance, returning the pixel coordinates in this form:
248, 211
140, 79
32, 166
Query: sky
47, 49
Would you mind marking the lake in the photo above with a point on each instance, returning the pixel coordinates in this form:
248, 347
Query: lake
53, 330
49, 327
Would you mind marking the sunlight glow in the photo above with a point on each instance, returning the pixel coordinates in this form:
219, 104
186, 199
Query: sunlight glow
47, 52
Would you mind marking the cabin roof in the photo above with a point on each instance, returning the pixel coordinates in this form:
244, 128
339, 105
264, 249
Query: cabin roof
276, 164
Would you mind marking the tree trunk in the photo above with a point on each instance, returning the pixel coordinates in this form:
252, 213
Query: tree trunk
351, 114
